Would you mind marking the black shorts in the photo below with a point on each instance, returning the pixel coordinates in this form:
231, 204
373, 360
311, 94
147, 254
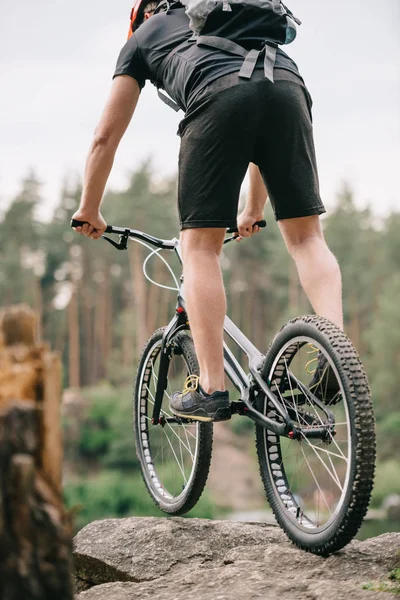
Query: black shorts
257, 121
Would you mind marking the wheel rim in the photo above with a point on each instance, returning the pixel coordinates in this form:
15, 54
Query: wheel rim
310, 476
169, 452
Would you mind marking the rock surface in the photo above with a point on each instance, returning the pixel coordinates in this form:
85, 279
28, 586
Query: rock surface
193, 559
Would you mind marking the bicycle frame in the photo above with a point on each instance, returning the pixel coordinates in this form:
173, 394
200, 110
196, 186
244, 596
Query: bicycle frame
250, 385
245, 384
233, 370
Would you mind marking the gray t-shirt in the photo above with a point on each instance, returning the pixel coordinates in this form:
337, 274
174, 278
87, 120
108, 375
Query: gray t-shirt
192, 67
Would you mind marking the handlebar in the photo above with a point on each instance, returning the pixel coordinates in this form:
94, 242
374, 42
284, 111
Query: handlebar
125, 233
259, 223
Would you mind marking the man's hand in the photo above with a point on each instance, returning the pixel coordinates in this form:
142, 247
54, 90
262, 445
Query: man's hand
245, 222
94, 226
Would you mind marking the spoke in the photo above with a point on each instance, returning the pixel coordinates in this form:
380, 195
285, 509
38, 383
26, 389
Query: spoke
172, 429
304, 390
163, 442
338, 447
325, 464
187, 440
312, 405
169, 389
185, 427
333, 476
316, 482
300, 417
322, 422
166, 414
291, 389
334, 469
153, 372
334, 441
180, 451
188, 448
176, 458
155, 378
152, 402
342, 456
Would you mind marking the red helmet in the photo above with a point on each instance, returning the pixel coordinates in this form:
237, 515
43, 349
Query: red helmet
134, 15
137, 12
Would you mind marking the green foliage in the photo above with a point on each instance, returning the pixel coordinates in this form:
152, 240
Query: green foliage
116, 494
388, 435
108, 494
395, 575
384, 340
242, 425
105, 429
46, 265
392, 586
387, 481
106, 480
382, 587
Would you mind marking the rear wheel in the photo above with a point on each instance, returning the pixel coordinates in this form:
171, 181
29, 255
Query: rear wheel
175, 455
318, 489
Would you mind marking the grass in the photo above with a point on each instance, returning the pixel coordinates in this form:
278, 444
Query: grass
392, 586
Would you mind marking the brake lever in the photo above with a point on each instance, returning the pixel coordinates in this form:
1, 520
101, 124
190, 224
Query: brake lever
234, 230
123, 238
123, 241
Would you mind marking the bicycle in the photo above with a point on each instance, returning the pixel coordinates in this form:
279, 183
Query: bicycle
316, 453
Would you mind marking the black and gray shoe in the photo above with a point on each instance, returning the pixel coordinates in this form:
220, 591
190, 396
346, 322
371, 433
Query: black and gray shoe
324, 384
194, 403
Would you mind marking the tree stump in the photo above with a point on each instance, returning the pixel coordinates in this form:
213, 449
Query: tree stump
35, 531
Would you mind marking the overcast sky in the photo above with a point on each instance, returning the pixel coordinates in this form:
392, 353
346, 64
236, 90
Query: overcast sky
57, 60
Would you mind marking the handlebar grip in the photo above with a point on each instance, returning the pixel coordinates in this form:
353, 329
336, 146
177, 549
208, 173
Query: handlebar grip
75, 223
235, 230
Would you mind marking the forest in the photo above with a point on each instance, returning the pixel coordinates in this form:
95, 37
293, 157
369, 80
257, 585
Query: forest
97, 309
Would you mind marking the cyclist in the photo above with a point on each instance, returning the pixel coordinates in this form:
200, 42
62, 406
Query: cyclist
229, 123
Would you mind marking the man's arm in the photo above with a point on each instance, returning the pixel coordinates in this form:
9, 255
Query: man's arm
114, 121
256, 199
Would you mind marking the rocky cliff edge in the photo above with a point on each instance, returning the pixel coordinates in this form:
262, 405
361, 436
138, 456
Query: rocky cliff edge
197, 559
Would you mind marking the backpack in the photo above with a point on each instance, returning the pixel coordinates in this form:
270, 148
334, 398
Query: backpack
282, 24
206, 15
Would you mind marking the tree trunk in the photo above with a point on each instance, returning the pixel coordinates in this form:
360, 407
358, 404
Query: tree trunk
100, 327
38, 307
108, 318
139, 294
155, 297
74, 346
294, 290
35, 532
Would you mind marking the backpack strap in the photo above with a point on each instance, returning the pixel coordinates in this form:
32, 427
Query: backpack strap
269, 60
222, 44
249, 64
214, 41
168, 101
250, 57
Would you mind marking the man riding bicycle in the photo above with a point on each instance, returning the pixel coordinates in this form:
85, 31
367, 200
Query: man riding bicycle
230, 122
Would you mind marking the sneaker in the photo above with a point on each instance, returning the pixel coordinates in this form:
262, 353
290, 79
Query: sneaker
324, 384
194, 403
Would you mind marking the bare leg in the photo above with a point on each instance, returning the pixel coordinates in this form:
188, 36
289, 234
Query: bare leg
205, 301
317, 267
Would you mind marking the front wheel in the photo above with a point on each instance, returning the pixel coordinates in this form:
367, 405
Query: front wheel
174, 455
319, 489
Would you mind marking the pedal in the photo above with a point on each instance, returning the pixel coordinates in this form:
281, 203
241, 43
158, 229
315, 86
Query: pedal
238, 408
